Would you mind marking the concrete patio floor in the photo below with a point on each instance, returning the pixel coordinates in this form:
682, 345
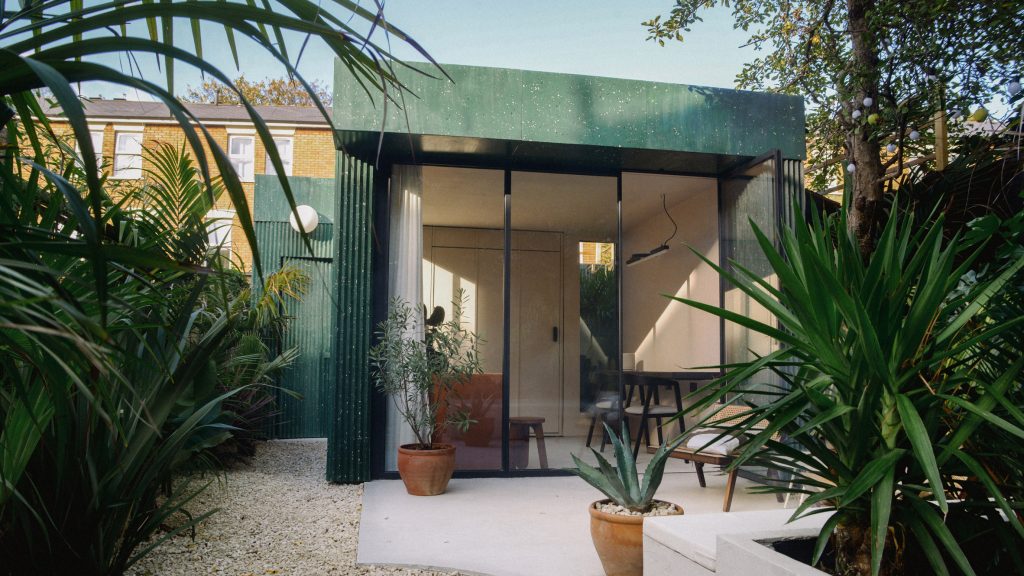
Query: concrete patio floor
513, 526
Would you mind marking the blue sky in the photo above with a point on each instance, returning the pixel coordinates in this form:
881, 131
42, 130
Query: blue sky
599, 37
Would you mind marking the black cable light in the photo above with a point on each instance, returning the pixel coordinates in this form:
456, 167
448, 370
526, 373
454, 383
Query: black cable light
658, 251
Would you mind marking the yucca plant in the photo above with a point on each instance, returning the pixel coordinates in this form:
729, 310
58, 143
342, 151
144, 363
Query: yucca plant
884, 392
621, 484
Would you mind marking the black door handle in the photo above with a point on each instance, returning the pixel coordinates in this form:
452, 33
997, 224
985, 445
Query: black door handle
554, 333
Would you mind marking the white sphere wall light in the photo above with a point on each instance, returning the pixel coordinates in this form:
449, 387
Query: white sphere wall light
307, 221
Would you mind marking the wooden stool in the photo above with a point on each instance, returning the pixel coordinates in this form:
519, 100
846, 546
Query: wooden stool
519, 441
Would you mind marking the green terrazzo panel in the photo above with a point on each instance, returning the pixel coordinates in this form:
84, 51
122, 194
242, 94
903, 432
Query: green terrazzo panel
520, 105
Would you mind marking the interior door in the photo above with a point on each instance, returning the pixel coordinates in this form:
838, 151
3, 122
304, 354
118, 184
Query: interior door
309, 375
536, 334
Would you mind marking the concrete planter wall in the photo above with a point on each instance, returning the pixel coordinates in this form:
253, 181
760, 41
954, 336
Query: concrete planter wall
726, 544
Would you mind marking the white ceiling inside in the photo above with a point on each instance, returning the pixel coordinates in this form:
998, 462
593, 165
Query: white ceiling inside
585, 205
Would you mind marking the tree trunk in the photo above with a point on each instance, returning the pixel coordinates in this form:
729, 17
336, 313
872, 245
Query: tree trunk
866, 213
852, 543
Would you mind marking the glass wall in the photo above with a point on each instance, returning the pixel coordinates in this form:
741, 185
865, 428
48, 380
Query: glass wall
447, 239
666, 221
563, 330
565, 345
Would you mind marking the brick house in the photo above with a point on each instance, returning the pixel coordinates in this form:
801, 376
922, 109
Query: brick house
122, 128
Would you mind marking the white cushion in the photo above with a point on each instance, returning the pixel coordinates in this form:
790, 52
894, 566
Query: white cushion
724, 445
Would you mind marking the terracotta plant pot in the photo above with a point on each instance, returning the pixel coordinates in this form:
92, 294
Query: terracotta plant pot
619, 540
426, 472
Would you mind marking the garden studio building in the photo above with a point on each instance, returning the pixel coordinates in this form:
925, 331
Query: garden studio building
564, 208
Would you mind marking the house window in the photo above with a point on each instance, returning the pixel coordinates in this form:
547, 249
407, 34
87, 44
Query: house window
128, 155
241, 151
218, 230
284, 150
97, 145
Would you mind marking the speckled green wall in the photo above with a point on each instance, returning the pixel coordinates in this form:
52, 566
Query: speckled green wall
572, 109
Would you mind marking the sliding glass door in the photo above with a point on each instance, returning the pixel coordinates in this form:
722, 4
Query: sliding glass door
446, 244
563, 314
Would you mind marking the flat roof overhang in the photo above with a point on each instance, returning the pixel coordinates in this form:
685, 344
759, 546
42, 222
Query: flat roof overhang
543, 120
396, 148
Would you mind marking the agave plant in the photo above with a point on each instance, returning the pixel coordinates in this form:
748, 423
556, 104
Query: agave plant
622, 485
884, 391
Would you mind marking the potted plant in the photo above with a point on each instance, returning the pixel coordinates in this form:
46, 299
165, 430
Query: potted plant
616, 523
898, 388
417, 361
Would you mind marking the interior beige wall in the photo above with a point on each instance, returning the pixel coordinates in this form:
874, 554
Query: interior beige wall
665, 335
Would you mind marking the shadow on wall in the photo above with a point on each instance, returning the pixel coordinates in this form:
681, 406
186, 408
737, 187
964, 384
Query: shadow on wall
666, 335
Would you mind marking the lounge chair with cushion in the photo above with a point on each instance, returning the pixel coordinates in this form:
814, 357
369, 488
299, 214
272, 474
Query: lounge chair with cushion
720, 452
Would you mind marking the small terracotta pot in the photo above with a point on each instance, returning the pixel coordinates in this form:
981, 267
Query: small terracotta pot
619, 540
426, 472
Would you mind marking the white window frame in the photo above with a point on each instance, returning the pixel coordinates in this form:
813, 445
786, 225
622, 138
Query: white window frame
286, 159
218, 232
244, 164
96, 135
133, 169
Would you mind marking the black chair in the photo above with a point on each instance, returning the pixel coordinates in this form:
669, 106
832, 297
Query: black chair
606, 406
650, 407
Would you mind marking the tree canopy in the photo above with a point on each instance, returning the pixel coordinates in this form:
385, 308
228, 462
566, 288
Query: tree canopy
267, 92
871, 71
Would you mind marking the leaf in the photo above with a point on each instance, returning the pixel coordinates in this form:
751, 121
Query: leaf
922, 448
935, 524
881, 507
874, 473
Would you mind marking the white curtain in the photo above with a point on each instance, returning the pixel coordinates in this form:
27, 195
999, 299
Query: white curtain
405, 277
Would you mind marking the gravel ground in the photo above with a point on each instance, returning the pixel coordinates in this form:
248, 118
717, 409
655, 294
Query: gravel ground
276, 516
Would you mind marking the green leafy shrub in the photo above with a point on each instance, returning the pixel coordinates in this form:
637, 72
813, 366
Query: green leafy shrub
112, 382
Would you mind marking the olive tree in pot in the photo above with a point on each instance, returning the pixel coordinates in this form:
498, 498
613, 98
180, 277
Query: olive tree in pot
616, 523
417, 361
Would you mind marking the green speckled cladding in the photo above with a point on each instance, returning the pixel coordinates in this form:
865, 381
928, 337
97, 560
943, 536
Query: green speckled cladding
519, 105
348, 443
